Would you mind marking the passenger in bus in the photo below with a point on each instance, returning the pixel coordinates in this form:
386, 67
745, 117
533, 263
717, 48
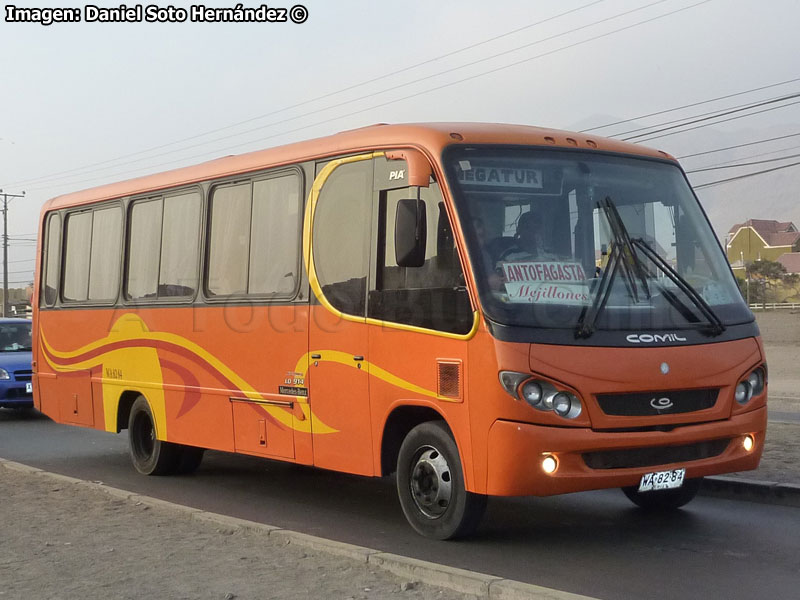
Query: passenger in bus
528, 242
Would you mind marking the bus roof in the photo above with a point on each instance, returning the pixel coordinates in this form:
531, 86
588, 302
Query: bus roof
430, 136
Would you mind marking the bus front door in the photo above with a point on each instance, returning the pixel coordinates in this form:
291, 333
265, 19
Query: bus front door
340, 216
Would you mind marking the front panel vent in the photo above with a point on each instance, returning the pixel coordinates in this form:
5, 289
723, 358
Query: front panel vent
449, 379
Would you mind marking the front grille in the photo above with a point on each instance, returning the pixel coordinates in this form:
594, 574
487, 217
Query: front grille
643, 404
23, 375
650, 457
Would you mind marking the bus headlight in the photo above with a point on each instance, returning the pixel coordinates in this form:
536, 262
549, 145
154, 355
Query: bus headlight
532, 393
539, 394
743, 392
4, 374
753, 385
756, 381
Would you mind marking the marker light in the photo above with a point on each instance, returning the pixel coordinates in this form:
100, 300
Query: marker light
549, 464
748, 443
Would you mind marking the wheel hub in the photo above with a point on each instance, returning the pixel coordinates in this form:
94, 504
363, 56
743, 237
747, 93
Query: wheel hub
431, 485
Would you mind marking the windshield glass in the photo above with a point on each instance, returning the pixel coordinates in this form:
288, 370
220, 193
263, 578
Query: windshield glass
15, 337
559, 238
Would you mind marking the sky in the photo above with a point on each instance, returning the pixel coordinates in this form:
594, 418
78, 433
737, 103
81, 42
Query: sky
83, 104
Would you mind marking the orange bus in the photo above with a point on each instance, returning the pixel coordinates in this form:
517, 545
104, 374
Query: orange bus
484, 310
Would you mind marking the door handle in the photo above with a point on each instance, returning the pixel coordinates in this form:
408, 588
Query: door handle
316, 356
358, 358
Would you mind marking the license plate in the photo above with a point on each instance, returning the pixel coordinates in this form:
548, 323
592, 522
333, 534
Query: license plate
662, 480
29, 388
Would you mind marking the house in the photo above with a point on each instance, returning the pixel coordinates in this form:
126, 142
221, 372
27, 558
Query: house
790, 262
760, 239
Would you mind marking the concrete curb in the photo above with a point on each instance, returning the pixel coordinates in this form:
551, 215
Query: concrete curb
764, 492
458, 580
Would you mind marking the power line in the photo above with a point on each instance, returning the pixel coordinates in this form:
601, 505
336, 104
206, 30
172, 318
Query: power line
410, 96
780, 137
693, 104
317, 98
722, 113
729, 179
383, 91
745, 164
758, 112
751, 156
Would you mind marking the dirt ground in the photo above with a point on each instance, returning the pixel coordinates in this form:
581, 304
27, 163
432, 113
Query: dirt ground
62, 541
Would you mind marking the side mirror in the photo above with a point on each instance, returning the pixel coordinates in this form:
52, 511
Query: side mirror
410, 233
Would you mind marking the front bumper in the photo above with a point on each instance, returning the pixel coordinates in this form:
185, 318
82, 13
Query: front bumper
515, 452
15, 395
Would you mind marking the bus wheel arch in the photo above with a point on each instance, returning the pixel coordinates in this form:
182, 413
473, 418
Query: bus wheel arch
397, 426
126, 400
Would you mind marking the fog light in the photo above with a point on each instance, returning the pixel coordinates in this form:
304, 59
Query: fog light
549, 464
743, 392
748, 443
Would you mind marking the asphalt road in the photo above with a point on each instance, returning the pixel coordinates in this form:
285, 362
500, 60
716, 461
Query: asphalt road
592, 543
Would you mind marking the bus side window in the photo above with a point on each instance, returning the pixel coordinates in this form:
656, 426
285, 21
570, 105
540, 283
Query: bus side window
341, 236
431, 296
51, 261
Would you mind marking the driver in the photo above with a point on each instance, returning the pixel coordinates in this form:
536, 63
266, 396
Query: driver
528, 241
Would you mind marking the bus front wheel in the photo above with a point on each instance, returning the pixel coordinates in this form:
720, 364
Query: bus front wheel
664, 500
430, 484
150, 455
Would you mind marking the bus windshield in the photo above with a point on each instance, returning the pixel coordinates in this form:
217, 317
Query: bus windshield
587, 241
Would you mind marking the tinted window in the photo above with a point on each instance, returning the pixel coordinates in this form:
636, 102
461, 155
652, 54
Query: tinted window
275, 236
51, 260
104, 265
341, 236
76, 256
143, 249
229, 245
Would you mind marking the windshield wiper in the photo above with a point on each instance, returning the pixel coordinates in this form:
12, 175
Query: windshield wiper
622, 253
717, 326
621, 237
588, 317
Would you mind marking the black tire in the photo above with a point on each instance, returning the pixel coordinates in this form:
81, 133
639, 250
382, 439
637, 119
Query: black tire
150, 456
189, 459
664, 500
430, 484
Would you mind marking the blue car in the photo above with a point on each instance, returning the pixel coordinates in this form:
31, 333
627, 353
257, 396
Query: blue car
16, 389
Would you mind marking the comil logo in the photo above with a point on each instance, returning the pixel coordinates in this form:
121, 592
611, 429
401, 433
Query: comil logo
657, 338
661, 403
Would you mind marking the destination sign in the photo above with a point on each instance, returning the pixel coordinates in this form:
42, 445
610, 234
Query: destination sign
506, 177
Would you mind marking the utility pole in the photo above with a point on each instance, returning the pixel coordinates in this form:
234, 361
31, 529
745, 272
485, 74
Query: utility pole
5, 247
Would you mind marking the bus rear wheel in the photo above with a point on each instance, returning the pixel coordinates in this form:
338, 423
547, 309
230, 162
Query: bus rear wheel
664, 500
150, 456
430, 484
